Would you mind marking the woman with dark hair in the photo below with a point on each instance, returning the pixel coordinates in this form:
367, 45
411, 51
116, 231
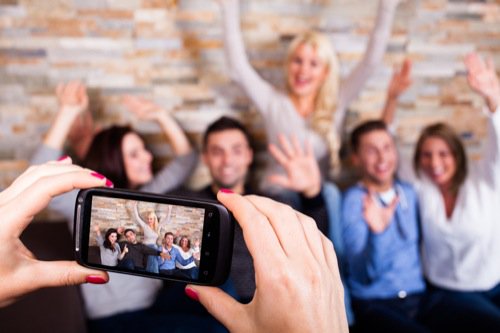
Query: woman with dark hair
109, 249
190, 270
459, 213
120, 154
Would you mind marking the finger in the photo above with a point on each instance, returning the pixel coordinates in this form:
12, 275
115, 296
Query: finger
19, 211
309, 149
284, 222
34, 173
278, 155
260, 238
223, 307
490, 65
297, 146
59, 90
287, 147
406, 69
313, 237
280, 180
330, 257
62, 273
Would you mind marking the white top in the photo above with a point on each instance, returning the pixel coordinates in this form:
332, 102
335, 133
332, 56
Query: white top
463, 252
278, 111
185, 255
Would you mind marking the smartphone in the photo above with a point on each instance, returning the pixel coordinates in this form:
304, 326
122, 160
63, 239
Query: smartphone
152, 235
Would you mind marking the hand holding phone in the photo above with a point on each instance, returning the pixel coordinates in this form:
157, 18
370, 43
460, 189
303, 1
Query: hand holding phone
295, 268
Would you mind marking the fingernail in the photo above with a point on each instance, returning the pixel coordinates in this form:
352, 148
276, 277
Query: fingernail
108, 183
191, 293
226, 190
62, 158
97, 175
95, 279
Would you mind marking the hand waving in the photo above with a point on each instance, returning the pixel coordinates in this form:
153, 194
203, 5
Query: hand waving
483, 79
377, 216
302, 170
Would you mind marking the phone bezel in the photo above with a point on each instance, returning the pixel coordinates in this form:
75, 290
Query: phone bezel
217, 239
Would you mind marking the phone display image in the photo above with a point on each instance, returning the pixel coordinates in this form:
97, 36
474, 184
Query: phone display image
152, 235
141, 236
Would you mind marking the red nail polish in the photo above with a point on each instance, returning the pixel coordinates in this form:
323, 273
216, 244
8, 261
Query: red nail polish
191, 293
62, 158
226, 190
95, 279
97, 175
109, 183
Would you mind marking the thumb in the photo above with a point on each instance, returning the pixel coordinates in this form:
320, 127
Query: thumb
394, 203
64, 273
222, 306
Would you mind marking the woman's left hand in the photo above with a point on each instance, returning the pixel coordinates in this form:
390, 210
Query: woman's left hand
20, 271
483, 79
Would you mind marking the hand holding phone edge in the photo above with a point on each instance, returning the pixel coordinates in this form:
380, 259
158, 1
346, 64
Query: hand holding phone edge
20, 271
295, 266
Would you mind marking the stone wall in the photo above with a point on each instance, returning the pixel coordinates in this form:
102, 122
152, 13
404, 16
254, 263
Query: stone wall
171, 51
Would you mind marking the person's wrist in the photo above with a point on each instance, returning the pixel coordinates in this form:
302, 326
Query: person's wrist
312, 191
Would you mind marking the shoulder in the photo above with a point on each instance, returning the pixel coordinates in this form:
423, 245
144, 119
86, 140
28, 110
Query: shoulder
407, 188
353, 193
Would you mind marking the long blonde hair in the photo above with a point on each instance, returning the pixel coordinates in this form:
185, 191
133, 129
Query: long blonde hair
155, 217
325, 104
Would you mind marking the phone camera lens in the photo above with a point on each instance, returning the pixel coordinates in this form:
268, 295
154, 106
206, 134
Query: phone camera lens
210, 214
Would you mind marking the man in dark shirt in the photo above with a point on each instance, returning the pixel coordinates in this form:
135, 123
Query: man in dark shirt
228, 154
136, 252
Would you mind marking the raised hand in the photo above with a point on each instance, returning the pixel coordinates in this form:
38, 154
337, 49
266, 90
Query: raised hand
301, 167
401, 79
377, 216
72, 96
483, 79
143, 108
295, 267
73, 102
20, 271
148, 110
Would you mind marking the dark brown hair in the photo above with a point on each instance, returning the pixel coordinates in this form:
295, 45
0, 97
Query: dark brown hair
225, 123
106, 157
450, 137
363, 129
107, 242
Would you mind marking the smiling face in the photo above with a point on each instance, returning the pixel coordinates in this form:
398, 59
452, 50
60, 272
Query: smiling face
112, 238
377, 157
228, 156
130, 236
437, 161
137, 160
306, 72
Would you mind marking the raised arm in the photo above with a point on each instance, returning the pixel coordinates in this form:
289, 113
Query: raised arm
73, 102
482, 78
257, 89
377, 44
137, 217
400, 81
147, 110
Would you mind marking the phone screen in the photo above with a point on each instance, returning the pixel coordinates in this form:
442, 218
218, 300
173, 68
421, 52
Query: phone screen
150, 238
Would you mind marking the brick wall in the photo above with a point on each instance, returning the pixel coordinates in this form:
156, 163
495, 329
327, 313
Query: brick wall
171, 51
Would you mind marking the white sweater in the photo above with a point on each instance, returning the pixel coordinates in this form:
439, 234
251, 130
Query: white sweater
463, 252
